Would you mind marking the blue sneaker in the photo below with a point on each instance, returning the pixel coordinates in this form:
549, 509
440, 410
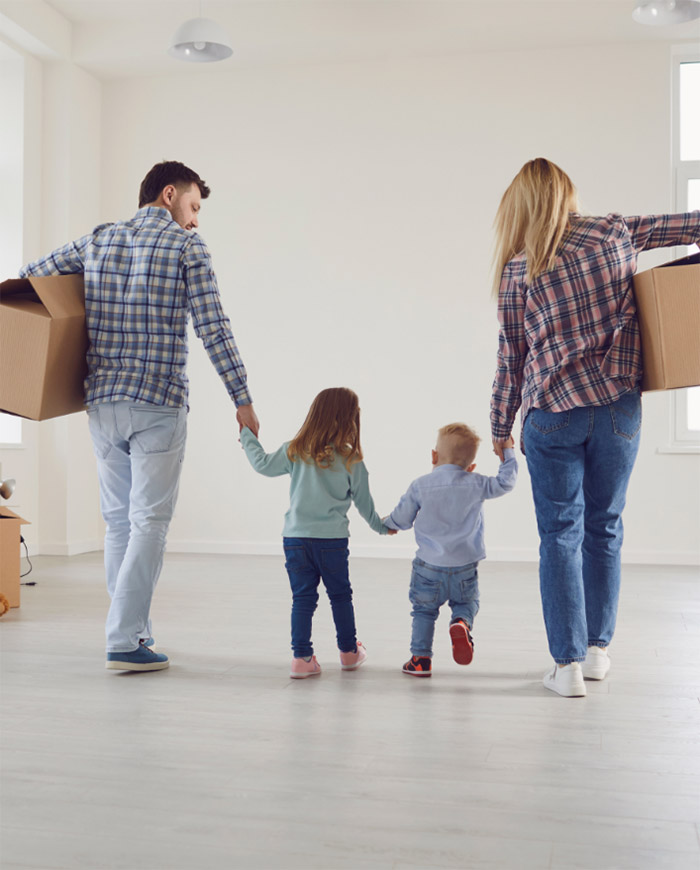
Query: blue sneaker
140, 659
148, 642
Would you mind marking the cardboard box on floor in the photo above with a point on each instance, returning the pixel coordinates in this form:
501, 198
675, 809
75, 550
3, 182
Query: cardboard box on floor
43, 342
668, 308
10, 554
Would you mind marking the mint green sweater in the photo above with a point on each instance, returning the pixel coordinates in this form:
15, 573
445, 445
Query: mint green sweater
319, 497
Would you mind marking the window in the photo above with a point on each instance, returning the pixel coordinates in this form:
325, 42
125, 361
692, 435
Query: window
11, 175
685, 436
10, 430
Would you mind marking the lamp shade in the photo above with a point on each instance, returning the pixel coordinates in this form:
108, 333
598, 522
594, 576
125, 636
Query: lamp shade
665, 12
200, 40
7, 487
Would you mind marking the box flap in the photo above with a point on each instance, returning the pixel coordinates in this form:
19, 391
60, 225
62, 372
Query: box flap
691, 260
18, 288
63, 295
7, 514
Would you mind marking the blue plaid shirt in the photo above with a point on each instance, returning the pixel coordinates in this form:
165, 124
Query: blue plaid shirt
143, 278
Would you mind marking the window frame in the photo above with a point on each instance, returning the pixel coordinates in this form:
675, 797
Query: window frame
682, 439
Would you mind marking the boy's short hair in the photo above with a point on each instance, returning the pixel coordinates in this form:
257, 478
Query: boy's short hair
459, 444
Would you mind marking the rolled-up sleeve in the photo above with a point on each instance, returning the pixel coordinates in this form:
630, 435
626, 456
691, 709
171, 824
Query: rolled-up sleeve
66, 260
210, 323
512, 352
664, 230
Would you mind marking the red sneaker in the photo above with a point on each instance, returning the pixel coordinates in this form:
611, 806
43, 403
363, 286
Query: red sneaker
462, 642
418, 666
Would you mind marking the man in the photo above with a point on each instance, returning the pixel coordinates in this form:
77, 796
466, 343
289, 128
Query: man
143, 278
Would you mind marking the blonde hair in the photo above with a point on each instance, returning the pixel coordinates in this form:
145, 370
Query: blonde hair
332, 427
533, 218
459, 444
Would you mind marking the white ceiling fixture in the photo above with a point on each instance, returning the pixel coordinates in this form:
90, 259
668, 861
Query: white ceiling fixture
666, 12
200, 40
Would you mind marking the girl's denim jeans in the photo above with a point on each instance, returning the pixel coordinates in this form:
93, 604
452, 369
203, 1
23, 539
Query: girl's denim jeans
580, 463
308, 561
431, 587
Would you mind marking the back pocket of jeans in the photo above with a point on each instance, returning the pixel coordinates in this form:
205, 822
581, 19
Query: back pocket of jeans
626, 415
548, 421
153, 428
100, 444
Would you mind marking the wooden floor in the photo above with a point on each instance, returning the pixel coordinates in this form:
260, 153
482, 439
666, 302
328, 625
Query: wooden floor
223, 762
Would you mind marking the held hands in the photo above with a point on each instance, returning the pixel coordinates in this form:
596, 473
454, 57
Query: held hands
246, 416
392, 532
500, 446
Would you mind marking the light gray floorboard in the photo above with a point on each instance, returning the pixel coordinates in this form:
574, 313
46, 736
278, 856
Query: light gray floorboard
224, 763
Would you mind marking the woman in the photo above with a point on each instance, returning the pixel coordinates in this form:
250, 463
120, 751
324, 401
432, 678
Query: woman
569, 355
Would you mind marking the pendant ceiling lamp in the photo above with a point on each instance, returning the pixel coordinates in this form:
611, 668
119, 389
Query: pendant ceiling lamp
200, 40
665, 12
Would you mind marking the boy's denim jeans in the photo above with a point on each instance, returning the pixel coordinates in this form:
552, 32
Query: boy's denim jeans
431, 587
580, 462
139, 449
308, 561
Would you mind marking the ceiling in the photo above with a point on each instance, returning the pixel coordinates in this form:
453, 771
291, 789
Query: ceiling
115, 38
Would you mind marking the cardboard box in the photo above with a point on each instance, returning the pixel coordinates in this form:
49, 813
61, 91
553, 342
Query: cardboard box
10, 554
43, 343
668, 308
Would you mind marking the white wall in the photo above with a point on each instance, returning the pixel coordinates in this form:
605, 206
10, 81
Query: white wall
71, 173
350, 226
56, 179
18, 163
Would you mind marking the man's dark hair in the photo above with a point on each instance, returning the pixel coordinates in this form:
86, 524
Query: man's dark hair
165, 173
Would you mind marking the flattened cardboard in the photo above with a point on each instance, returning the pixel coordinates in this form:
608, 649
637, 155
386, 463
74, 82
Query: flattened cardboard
43, 343
668, 309
10, 554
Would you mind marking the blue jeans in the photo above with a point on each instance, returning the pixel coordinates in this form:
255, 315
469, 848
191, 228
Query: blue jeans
308, 561
580, 463
431, 587
139, 449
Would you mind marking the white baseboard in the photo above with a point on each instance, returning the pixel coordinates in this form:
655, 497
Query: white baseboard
361, 551
72, 548
378, 551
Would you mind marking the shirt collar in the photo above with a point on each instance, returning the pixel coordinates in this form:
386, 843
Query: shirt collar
154, 211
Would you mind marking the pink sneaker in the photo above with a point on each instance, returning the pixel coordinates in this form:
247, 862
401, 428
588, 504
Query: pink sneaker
301, 668
351, 660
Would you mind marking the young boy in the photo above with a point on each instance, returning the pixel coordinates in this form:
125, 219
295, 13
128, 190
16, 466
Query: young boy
445, 508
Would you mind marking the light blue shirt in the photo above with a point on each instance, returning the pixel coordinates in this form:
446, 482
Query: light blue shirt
319, 497
445, 509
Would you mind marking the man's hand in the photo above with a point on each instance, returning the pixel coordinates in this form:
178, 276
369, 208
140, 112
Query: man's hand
246, 416
500, 446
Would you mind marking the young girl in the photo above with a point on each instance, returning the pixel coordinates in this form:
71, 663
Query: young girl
325, 463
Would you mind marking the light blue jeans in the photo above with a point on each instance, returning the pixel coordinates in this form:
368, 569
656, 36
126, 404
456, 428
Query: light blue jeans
580, 462
139, 449
431, 587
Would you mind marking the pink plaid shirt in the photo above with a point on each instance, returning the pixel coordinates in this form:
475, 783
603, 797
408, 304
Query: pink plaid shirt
570, 338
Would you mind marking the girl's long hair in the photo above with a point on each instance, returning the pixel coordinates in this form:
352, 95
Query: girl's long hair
332, 427
533, 218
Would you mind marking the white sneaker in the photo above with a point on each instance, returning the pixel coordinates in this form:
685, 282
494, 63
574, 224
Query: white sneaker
566, 681
597, 663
